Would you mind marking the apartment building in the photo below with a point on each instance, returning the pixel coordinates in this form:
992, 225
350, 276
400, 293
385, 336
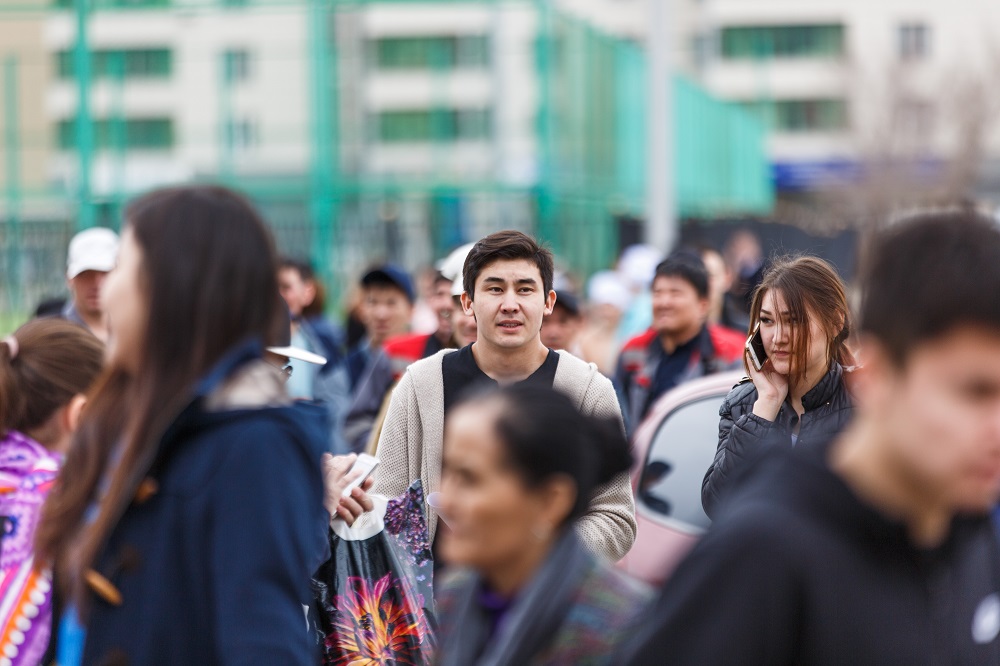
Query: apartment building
845, 83
448, 89
179, 92
25, 73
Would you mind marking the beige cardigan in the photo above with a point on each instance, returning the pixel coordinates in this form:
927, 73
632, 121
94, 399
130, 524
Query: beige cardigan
411, 441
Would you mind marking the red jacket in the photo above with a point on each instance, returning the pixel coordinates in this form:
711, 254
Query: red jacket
718, 349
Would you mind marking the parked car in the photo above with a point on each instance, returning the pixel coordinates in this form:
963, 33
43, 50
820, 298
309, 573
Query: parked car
674, 447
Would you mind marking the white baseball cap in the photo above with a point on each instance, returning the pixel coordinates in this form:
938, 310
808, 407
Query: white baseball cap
299, 354
93, 249
451, 266
608, 287
284, 345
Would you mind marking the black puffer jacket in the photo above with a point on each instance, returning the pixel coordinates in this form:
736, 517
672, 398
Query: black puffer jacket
743, 435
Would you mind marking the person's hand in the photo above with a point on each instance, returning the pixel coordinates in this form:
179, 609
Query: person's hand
772, 389
336, 477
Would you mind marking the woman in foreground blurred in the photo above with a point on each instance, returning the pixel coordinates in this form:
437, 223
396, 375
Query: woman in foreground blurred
194, 516
519, 467
46, 368
799, 396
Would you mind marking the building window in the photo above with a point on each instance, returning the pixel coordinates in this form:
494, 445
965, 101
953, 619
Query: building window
914, 41
115, 3
786, 41
128, 63
242, 133
915, 118
456, 52
443, 125
702, 45
128, 134
237, 64
802, 115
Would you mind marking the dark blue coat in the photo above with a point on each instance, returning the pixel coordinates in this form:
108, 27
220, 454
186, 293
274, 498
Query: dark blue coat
214, 567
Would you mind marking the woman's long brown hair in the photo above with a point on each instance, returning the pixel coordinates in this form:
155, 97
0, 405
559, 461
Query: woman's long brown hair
209, 277
811, 288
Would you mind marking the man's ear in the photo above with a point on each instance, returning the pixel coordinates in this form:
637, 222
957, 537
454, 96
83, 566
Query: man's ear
874, 380
466, 304
550, 302
703, 305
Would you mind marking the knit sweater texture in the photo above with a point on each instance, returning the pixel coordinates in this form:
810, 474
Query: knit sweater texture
410, 446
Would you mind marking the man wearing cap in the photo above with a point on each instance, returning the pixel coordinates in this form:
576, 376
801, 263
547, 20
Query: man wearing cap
561, 329
93, 253
387, 310
367, 410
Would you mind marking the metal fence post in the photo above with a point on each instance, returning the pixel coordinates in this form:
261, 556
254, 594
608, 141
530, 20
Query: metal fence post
323, 166
12, 167
84, 126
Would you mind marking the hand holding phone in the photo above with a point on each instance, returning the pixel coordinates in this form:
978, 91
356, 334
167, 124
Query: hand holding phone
367, 464
755, 348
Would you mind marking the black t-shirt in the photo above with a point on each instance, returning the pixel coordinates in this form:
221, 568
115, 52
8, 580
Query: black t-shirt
461, 375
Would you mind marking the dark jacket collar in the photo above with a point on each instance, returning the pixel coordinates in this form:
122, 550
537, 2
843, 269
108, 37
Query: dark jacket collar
245, 351
701, 342
826, 389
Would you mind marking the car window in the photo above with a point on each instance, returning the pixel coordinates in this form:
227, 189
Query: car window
681, 452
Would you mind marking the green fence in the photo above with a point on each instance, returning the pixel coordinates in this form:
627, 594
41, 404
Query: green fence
589, 128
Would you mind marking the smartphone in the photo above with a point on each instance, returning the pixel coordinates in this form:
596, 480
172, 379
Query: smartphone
367, 465
755, 348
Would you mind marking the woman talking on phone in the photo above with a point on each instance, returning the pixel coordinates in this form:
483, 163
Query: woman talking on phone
797, 396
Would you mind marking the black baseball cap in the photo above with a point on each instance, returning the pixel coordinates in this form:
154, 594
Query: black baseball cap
569, 301
391, 274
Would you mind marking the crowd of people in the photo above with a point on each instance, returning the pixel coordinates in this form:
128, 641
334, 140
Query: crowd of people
178, 441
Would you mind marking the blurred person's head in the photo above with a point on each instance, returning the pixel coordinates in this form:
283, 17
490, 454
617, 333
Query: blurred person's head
440, 301
804, 317
50, 307
720, 279
47, 367
93, 253
507, 283
929, 393
608, 298
520, 466
680, 297
388, 303
637, 265
451, 266
561, 328
173, 313
464, 328
297, 285
743, 253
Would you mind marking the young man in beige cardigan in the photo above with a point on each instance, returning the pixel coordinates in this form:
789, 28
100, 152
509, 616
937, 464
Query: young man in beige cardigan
508, 288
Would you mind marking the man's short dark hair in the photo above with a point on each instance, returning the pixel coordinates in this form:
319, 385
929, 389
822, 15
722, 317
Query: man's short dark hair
927, 276
506, 245
303, 267
688, 267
